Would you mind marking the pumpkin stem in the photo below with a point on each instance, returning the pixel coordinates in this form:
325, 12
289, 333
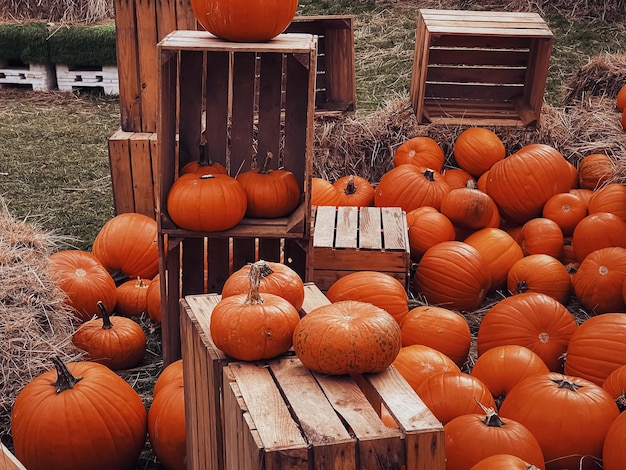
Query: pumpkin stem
106, 318
429, 174
568, 384
621, 401
471, 184
491, 419
254, 277
265, 268
65, 379
521, 287
350, 186
205, 158
264, 169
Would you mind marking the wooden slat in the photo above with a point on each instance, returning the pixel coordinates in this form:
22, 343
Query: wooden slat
324, 234
476, 57
347, 227
370, 226
147, 60
217, 112
8, 461
203, 40
491, 75
242, 149
475, 91
141, 167
269, 122
127, 65
121, 174
394, 228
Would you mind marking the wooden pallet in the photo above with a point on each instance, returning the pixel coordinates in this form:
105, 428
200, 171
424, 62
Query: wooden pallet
105, 77
38, 77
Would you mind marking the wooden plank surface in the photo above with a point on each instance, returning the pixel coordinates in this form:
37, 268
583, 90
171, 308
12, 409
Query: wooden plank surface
203, 40
121, 174
370, 228
141, 167
324, 232
147, 60
128, 68
394, 229
347, 227
8, 461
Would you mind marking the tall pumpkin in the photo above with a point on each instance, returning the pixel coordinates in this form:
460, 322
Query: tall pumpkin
128, 243
453, 275
90, 417
244, 21
523, 182
532, 320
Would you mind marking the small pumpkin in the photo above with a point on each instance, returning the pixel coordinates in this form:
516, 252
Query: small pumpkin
116, 342
609, 198
84, 280
94, 405
540, 273
427, 227
347, 337
469, 207
566, 210
420, 151
354, 190
458, 178
206, 203
542, 236
243, 21
477, 149
323, 193
598, 230
276, 278
253, 326
501, 461
594, 170
132, 297
153, 299
417, 362
270, 193
128, 243
204, 165
171, 374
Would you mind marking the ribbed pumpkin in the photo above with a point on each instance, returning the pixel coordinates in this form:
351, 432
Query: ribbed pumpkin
276, 278
347, 337
374, 287
499, 250
204, 165
453, 275
609, 198
469, 207
244, 21
84, 280
171, 374
253, 326
206, 203
598, 230
128, 243
116, 342
420, 151
418, 362
166, 420
91, 419
427, 227
532, 320
457, 178
615, 385
153, 299
566, 209
542, 236
410, 187
594, 170
599, 280
503, 461
476, 149
502, 367
132, 297
354, 190
597, 348
439, 328
451, 394
540, 273
568, 415
270, 193
613, 455
584, 194
472, 437
523, 182
323, 193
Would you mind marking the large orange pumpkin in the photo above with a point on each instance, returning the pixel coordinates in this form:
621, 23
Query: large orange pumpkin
84, 280
615, 385
469, 207
613, 455
568, 415
91, 419
540, 273
620, 99
244, 21
347, 337
523, 182
439, 328
477, 149
609, 198
453, 275
420, 151
598, 230
128, 243
375, 287
532, 320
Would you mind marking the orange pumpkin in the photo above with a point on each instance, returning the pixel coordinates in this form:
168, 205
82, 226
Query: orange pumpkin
594, 170
244, 21
439, 328
566, 210
132, 297
458, 178
153, 299
469, 207
420, 151
542, 236
418, 362
500, 461
354, 190
374, 287
171, 374
540, 273
615, 385
347, 337
598, 230
476, 149
204, 165
532, 320
323, 193
609, 198
453, 275
620, 99
427, 227
613, 455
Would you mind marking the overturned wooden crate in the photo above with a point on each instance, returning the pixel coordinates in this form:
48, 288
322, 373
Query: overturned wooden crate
203, 365
350, 239
480, 67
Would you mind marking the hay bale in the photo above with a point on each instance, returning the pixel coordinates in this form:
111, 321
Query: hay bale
602, 76
35, 323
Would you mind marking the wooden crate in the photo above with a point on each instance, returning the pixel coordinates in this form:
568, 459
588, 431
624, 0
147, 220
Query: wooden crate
335, 91
70, 77
258, 97
283, 416
480, 67
139, 26
203, 364
132, 158
8, 461
348, 239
